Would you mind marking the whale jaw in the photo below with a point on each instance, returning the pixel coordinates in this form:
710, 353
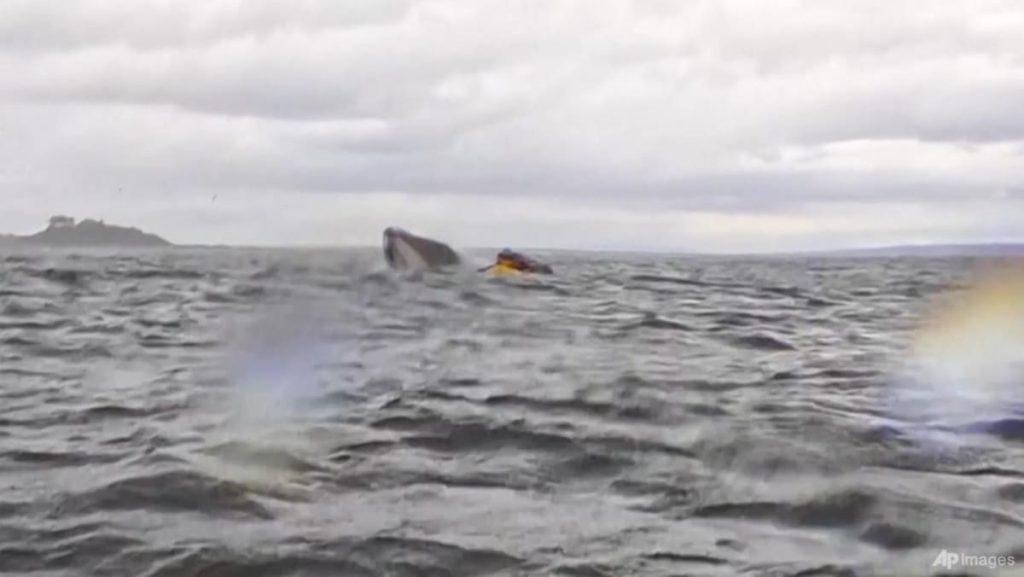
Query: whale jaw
406, 251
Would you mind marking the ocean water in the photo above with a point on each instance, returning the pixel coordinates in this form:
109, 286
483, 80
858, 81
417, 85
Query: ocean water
239, 412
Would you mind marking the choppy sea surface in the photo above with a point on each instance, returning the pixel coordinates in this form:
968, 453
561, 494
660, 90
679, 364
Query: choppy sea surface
229, 412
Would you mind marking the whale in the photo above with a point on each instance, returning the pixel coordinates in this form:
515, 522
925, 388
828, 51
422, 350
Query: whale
406, 251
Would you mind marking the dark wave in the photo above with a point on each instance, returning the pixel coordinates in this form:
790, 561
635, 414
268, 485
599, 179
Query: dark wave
584, 570
55, 458
458, 438
653, 321
73, 551
172, 491
16, 309
160, 273
618, 410
589, 465
836, 510
763, 342
893, 537
161, 341
688, 559
34, 325
729, 319
1012, 492
1009, 429
674, 280
65, 276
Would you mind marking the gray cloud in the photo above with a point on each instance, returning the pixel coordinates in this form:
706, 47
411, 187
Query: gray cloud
753, 111
46, 26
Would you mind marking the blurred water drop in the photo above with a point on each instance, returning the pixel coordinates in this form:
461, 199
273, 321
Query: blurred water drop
275, 365
966, 364
275, 386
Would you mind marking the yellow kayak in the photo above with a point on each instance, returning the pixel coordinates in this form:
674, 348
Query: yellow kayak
504, 269
510, 262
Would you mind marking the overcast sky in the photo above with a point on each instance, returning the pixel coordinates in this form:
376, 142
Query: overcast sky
723, 125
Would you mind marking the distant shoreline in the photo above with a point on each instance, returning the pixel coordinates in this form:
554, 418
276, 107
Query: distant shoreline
65, 231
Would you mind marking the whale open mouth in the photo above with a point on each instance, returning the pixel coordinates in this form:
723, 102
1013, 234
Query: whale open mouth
398, 251
390, 253
406, 251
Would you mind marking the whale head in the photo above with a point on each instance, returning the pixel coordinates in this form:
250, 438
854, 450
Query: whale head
406, 251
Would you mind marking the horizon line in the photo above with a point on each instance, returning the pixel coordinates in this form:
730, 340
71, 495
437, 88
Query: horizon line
1015, 246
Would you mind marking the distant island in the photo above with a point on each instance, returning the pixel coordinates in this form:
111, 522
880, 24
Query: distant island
64, 231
